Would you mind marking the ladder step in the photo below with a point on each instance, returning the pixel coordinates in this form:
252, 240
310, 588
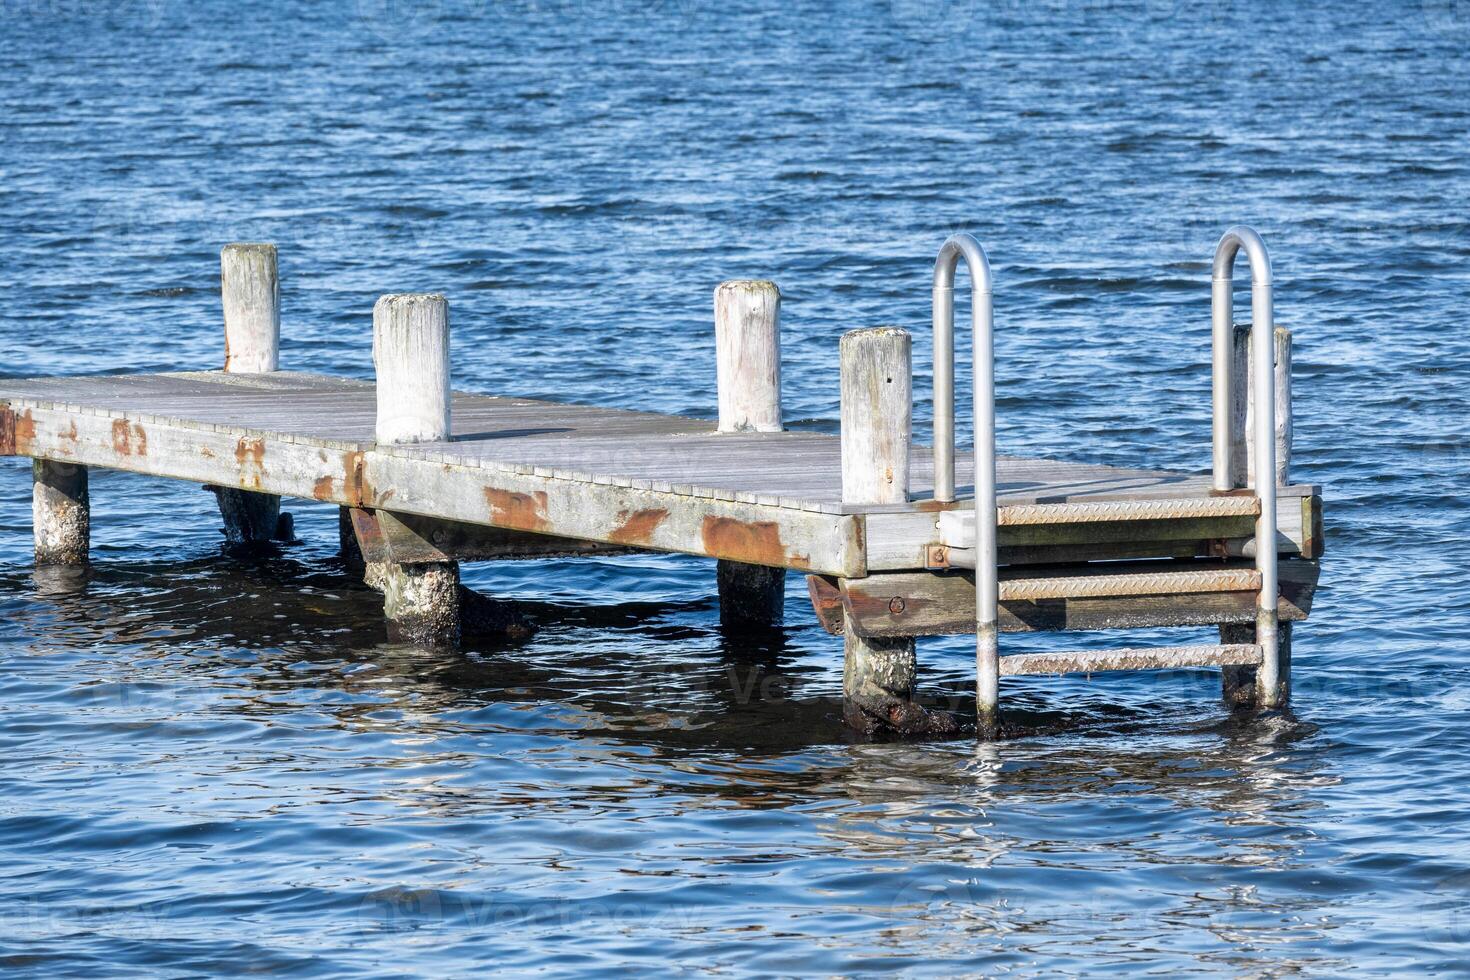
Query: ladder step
1153, 582
1136, 658
1162, 509
957, 527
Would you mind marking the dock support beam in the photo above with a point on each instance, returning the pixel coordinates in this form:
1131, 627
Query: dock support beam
61, 511
250, 295
350, 550
1242, 686
877, 407
748, 376
411, 357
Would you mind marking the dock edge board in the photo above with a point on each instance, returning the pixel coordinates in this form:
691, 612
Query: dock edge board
430, 485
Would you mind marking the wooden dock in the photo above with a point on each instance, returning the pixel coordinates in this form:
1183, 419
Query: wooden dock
427, 478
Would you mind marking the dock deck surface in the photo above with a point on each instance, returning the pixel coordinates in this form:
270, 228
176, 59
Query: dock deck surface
599, 474
667, 453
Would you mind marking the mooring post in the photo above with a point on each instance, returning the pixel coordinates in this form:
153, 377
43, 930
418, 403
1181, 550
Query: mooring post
877, 407
251, 297
411, 358
1238, 684
748, 377
1242, 407
61, 512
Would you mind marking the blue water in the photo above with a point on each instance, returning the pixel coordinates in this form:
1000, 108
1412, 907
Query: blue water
216, 767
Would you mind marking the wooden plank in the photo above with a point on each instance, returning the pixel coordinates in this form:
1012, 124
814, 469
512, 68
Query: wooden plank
405, 481
306, 435
412, 538
935, 604
825, 593
801, 469
244, 459
1300, 531
776, 536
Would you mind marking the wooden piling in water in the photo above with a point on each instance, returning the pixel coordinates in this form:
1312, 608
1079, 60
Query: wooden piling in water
411, 359
748, 378
877, 405
61, 513
1239, 685
251, 297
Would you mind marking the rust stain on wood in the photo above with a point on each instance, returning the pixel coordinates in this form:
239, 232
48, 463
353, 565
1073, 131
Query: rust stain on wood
249, 450
756, 542
637, 527
7, 432
70, 435
826, 599
369, 533
250, 454
322, 488
128, 439
24, 436
354, 479
522, 511
121, 443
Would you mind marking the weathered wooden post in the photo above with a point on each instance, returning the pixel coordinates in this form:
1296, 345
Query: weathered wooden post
748, 376
1238, 684
877, 409
411, 357
251, 297
61, 512
1242, 402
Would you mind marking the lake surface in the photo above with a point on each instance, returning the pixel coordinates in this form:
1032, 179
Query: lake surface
218, 767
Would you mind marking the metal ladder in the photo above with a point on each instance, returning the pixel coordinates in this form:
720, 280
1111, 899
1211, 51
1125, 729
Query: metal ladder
990, 666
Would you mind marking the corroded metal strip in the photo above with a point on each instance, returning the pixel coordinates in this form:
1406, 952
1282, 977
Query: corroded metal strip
1134, 658
1153, 583
1014, 515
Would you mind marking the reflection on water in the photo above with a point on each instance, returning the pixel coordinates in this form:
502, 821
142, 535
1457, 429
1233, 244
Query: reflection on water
518, 792
214, 766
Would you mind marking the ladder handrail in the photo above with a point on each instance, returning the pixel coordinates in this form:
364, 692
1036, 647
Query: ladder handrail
955, 247
1263, 440
987, 585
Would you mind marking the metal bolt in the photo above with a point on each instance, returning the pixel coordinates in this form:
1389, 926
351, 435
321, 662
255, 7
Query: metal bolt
896, 605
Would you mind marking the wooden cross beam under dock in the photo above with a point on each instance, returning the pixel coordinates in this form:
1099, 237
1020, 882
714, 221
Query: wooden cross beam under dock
430, 477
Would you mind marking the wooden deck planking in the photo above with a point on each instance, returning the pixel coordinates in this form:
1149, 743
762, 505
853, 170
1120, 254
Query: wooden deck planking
603, 445
569, 470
